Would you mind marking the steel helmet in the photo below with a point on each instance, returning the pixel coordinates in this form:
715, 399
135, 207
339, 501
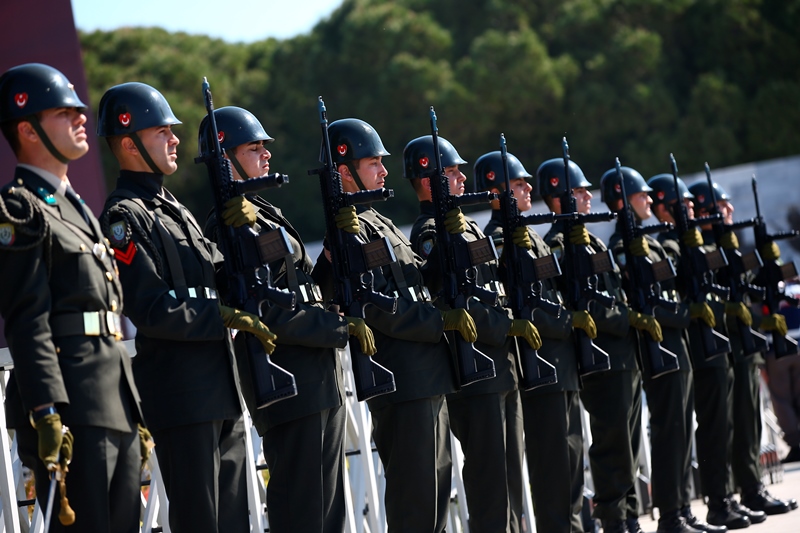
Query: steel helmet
702, 198
419, 160
550, 177
31, 88
488, 171
611, 190
663, 192
132, 107
235, 126
353, 139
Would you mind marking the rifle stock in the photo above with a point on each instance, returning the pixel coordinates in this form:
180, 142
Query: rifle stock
246, 268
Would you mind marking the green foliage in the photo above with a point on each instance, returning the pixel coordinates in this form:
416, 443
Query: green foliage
712, 80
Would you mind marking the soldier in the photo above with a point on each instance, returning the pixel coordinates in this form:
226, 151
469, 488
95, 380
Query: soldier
486, 416
551, 414
302, 436
184, 365
668, 395
713, 378
746, 419
61, 300
612, 398
410, 425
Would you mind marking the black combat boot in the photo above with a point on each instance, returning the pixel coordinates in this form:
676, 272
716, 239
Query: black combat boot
613, 526
721, 514
692, 520
632, 523
758, 499
673, 522
756, 517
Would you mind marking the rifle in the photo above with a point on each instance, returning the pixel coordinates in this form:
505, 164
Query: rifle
352, 261
644, 278
458, 260
771, 274
246, 266
582, 265
523, 275
739, 266
697, 267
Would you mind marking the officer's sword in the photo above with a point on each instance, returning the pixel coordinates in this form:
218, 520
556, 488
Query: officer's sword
51, 493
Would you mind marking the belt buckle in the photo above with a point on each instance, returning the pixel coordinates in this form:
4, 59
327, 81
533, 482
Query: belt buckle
304, 293
114, 324
91, 323
192, 292
210, 294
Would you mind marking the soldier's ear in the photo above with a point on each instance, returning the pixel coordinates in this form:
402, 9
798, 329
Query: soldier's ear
345, 172
25, 131
128, 146
426, 184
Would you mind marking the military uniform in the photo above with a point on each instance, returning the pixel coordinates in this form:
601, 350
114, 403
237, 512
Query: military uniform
303, 436
613, 399
184, 365
61, 301
552, 417
485, 416
713, 398
410, 425
668, 399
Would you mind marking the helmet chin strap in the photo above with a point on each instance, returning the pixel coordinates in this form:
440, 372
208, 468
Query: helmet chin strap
147, 159
356, 178
46, 140
238, 166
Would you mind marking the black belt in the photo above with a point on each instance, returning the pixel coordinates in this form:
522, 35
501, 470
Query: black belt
91, 324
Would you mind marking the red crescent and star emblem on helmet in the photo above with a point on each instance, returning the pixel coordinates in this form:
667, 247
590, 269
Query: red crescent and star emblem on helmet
490, 175
701, 198
221, 136
21, 99
342, 149
618, 188
423, 162
125, 119
554, 182
660, 195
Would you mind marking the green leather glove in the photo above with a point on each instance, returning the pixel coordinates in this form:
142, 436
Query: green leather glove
692, 238
238, 212
583, 320
454, 221
55, 445
360, 330
145, 444
775, 322
578, 235
521, 238
639, 247
729, 241
347, 219
646, 323
525, 329
702, 311
770, 251
459, 320
243, 321
740, 311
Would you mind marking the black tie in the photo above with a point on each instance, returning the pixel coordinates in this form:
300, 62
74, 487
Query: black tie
73, 197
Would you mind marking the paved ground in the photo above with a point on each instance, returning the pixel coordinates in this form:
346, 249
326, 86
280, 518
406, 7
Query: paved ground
785, 523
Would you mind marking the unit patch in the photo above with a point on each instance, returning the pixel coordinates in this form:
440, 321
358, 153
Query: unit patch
7, 234
427, 246
119, 232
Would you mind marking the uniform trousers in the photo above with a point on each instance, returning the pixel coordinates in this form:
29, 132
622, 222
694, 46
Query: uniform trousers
203, 466
669, 401
413, 441
305, 493
614, 403
713, 403
489, 429
746, 452
554, 448
103, 483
